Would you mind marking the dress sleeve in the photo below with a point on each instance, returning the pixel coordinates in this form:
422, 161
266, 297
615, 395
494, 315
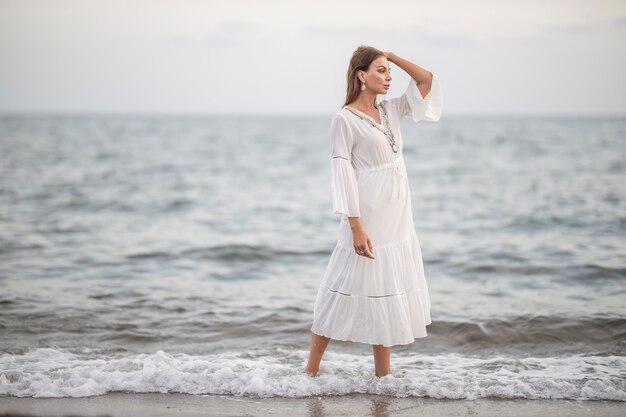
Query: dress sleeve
343, 184
421, 109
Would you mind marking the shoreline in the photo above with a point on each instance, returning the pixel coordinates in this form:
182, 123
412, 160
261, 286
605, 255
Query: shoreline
188, 405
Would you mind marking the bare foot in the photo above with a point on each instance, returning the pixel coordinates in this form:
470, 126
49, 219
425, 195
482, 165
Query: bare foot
311, 373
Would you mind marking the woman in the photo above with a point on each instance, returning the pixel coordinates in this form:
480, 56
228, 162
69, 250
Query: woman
374, 290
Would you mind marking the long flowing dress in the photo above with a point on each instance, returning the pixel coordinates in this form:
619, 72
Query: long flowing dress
385, 300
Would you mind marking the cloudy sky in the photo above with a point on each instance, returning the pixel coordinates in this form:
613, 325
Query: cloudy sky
242, 56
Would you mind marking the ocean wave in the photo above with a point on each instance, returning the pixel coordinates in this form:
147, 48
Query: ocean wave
534, 329
47, 372
232, 253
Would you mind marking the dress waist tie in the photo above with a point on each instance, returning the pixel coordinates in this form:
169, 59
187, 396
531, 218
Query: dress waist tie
399, 173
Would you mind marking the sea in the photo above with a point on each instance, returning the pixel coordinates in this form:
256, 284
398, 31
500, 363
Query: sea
183, 253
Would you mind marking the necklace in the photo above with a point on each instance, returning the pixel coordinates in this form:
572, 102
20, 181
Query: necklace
386, 130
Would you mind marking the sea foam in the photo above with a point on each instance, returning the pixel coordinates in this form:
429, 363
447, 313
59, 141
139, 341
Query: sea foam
47, 372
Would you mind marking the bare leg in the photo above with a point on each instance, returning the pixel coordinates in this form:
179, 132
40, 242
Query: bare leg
318, 346
382, 359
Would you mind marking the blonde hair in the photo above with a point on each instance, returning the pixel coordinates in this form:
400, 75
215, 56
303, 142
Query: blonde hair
361, 59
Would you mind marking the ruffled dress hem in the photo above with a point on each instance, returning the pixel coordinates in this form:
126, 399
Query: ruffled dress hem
369, 342
390, 311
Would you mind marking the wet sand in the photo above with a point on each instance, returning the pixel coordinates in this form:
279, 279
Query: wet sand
166, 405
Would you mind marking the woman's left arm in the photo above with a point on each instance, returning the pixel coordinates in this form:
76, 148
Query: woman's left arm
423, 77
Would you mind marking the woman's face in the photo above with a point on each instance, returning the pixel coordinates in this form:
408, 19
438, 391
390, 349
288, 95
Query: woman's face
377, 77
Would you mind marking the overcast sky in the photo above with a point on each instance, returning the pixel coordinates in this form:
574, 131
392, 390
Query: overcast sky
230, 56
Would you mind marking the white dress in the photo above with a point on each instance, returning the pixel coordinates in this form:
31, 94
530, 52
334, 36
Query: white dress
381, 301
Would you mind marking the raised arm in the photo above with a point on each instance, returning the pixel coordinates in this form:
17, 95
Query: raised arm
423, 97
423, 77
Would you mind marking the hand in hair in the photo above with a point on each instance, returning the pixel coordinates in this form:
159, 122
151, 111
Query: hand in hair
389, 55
